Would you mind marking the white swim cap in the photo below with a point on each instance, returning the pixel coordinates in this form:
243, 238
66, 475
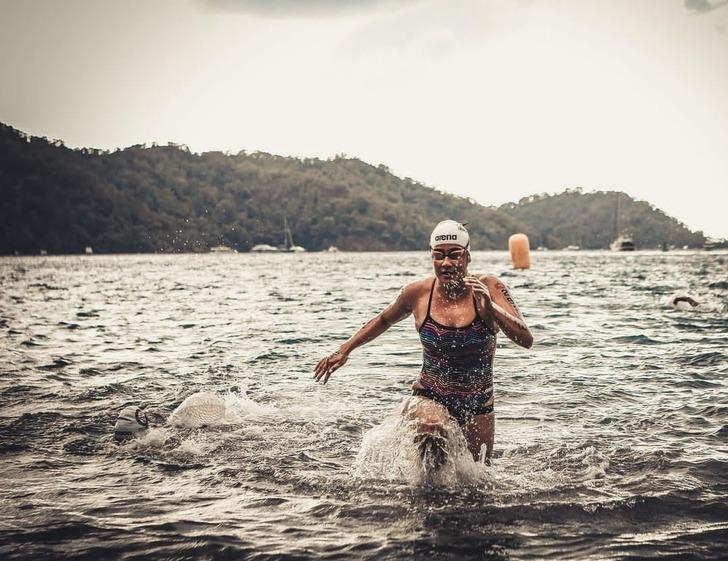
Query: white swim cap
449, 231
132, 422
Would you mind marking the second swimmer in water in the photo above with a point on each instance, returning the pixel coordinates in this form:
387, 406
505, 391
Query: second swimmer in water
457, 316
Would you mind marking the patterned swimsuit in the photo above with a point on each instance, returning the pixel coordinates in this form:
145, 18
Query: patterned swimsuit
457, 365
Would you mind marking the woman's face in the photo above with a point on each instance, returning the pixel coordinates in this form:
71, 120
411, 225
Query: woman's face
450, 262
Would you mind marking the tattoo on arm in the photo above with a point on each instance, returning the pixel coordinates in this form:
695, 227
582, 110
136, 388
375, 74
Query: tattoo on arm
511, 322
507, 295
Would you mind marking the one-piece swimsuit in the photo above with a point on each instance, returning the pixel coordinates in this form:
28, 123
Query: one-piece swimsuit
457, 365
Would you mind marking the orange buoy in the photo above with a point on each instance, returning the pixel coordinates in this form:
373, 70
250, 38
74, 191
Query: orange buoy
520, 253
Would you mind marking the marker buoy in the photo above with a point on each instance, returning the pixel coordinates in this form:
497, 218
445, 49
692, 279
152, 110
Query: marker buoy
520, 253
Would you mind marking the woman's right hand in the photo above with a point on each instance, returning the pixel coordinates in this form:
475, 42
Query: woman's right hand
329, 364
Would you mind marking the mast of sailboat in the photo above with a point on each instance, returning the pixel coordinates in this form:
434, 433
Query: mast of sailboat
287, 236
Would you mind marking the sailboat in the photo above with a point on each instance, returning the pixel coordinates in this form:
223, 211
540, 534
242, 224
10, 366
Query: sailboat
263, 248
288, 245
623, 241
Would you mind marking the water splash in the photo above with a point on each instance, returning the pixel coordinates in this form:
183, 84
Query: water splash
211, 409
153, 438
388, 452
605, 438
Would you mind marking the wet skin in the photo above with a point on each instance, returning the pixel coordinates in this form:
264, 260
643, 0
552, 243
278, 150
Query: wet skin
451, 306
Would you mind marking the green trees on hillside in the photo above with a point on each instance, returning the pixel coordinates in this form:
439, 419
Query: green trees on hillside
594, 220
164, 198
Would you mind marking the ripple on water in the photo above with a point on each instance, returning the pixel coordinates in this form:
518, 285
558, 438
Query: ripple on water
610, 441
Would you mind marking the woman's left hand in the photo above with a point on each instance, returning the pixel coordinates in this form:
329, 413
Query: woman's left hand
481, 292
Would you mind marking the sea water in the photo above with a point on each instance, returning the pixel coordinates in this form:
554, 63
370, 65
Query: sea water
611, 432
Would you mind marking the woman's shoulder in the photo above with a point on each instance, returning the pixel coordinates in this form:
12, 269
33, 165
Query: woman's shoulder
415, 289
419, 285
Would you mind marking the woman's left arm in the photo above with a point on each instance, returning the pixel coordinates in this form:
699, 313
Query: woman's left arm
493, 295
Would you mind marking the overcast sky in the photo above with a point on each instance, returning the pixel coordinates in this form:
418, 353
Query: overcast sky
491, 99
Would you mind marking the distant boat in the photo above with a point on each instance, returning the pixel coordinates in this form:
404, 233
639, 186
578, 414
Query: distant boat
622, 243
572, 248
43, 252
89, 250
222, 249
333, 249
288, 246
711, 243
264, 248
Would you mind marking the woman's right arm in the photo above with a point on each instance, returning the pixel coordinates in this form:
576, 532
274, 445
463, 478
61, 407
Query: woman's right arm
395, 312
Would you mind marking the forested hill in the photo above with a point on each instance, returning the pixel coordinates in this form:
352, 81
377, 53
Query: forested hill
164, 198
594, 220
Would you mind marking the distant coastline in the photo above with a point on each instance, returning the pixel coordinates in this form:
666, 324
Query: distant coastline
164, 199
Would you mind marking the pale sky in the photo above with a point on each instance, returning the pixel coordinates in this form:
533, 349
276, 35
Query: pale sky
491, 99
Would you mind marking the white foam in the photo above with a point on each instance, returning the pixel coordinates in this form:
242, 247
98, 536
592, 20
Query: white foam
153, 438
163, 441
527, 470
388, 452
191, 447
212, 409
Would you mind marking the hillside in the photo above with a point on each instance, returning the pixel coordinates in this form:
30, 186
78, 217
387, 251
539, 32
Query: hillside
164, 198
594, 220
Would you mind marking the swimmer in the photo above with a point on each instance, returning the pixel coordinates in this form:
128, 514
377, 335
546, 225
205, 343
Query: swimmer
457, 316
132, 423
200, 409
675, 300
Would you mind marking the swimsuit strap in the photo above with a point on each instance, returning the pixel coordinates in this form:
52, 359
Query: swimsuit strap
429, 303
477, 313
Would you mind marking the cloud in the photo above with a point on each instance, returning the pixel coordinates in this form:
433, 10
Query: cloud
703, 6
431, 29
290, 9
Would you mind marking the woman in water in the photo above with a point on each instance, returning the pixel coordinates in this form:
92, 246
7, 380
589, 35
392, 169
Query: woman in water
457, 316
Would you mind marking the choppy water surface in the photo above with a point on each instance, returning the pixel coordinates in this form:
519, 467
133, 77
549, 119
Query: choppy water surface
612, 432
